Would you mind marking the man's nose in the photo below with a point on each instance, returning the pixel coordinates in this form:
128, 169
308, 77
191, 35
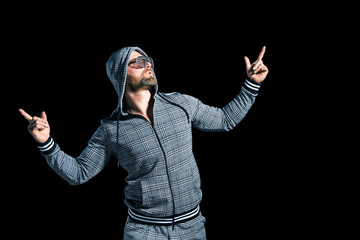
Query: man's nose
148, 64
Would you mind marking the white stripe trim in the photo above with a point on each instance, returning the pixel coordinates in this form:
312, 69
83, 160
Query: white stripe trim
249, 86
47, 147
252, 84
147, 219
51, 140
189, 215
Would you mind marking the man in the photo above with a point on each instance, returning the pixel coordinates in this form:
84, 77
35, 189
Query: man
150, 133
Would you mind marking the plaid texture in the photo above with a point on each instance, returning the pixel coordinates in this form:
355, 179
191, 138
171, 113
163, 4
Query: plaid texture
163, 178
144, 150
116, 69
193, 229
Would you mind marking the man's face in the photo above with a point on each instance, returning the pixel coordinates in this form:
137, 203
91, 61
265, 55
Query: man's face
139, 78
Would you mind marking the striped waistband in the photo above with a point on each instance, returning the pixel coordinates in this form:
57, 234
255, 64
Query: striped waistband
187, 216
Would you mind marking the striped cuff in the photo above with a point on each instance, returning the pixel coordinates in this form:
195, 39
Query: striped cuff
252, 86
48, 146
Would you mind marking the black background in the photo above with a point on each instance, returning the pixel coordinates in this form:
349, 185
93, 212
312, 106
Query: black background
261, 179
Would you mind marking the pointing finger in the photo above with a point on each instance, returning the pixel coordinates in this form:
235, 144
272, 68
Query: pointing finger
43, 116
26, 115
261, 55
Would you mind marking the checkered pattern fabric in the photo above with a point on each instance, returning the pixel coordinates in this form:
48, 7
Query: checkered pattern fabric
163, 178
191, 230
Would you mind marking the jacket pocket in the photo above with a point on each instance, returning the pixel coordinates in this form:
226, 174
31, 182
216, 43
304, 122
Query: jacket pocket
156, 192
186, 189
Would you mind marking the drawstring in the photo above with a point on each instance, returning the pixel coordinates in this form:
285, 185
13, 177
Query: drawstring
118, 119
117, 145
117, 137
178, 105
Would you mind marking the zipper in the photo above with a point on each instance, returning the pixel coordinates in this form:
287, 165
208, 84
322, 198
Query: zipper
166, 166
168, 176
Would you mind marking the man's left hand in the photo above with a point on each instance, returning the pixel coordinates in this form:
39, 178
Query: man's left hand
257, 71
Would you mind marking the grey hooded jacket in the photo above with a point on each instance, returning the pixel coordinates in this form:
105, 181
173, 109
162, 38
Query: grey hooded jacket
162, 176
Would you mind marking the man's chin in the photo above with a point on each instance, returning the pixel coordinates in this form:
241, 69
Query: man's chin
150, 81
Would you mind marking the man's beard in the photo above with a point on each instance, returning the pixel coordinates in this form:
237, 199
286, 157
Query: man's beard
149, 81
144, 84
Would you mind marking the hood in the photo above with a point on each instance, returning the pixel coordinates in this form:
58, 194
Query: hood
116, 70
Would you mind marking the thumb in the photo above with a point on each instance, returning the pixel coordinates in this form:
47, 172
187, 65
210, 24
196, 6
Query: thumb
247, 62
43, 115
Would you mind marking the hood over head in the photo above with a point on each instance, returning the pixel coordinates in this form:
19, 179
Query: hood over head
116, 70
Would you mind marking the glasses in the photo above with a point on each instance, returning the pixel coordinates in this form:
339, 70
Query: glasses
141, 61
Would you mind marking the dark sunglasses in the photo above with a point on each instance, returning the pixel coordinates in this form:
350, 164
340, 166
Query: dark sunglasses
141, 61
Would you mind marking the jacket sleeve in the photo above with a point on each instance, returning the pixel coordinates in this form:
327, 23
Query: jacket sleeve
82, 168
207, 118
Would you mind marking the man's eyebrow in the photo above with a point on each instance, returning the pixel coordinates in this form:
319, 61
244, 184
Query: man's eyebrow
131, 60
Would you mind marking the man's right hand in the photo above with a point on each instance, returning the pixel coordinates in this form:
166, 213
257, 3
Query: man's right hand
38, 126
